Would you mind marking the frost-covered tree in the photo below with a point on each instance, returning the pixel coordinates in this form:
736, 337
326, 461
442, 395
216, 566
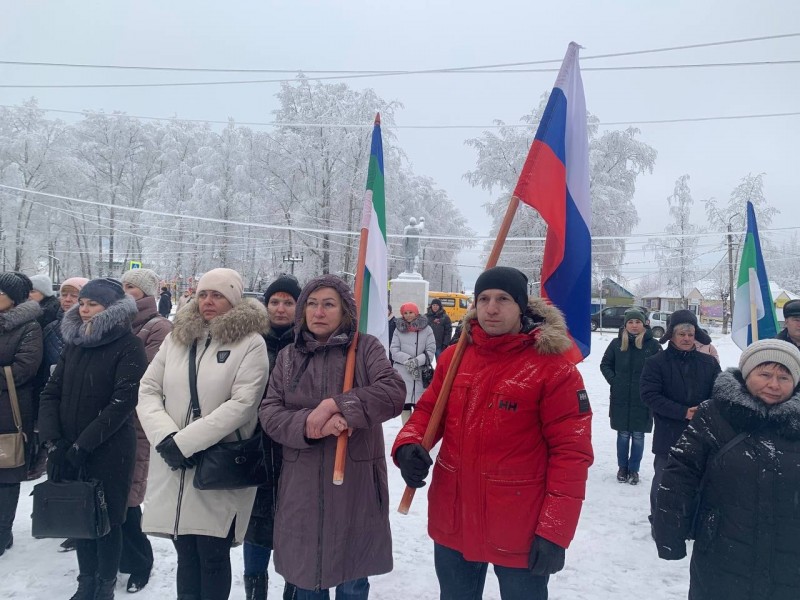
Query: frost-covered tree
616, 159
184, 198
31, 155
676, 252
731, 218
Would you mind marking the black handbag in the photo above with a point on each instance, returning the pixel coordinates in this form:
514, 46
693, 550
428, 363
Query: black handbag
426, 371
226, 465
70, 509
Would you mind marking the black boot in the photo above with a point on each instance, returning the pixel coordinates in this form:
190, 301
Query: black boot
255, 587
105, 589
9, 495
289, 591
86, 586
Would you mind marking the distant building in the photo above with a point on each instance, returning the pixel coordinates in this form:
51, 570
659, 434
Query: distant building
670, 299
611, 294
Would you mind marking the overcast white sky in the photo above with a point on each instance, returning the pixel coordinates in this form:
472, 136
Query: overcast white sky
414, 35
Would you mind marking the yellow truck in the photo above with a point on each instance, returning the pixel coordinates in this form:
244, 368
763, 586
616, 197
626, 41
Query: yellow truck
454, 304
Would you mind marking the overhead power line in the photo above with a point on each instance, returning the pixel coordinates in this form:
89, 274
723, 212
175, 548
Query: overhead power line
466, 71
310, 230
392, 72
389, 127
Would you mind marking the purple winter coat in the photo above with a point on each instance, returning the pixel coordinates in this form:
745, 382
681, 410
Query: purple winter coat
150, 327
326, 534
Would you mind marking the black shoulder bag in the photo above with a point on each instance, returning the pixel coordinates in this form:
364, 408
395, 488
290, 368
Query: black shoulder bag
226, 465
715, 459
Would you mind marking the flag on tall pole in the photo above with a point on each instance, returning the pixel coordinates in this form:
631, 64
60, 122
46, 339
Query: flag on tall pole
375, 293
555, 181
753, 296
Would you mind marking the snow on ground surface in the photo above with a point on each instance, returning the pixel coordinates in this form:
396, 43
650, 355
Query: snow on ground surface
612, 555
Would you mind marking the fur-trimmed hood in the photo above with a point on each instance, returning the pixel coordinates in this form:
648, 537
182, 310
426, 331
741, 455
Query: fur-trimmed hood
19, 315
543, 321
748, 413
418, 324
249, 316
103, 328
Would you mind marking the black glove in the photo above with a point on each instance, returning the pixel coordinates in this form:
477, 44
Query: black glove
414, 463
57, 451
76, 456
546, 557
172, 455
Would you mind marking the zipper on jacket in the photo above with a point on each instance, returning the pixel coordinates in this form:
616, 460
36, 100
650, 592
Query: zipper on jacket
321, 476
183, 469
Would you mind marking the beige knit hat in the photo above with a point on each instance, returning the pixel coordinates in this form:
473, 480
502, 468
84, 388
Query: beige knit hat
225, 281
771, 351
144, 279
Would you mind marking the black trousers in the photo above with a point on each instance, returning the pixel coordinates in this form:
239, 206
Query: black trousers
100, 557
204, 566
137, 553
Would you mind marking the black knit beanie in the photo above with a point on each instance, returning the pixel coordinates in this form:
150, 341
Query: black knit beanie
685, 316
103, 290
16, 286
285, 283
509, 280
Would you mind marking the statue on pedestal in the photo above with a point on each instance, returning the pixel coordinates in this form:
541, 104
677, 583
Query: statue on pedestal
411, 242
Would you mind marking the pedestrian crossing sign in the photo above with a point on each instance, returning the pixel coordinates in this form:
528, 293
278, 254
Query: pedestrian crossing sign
135, 264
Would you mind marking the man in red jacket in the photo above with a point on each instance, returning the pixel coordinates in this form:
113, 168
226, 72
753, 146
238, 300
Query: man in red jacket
510, 476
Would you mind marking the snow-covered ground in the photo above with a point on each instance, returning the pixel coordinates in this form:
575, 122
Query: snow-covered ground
612, 555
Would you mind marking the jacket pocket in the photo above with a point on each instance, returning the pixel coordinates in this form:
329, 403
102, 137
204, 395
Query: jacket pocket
512, 512
290, 455
443, 498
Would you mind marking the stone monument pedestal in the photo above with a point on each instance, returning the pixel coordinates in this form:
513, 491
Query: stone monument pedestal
409, 287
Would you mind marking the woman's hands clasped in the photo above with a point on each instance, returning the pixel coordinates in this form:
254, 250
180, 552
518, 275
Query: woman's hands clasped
325, 420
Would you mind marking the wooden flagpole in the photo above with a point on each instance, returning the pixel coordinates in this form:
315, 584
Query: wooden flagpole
461, 346
350, 364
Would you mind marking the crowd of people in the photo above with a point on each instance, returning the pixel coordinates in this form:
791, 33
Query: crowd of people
108, 383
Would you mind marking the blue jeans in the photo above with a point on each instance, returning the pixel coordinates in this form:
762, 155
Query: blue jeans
357, 589
256, 559
460, 579
630, 448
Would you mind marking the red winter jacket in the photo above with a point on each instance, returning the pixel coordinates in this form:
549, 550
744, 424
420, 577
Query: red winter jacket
516, 443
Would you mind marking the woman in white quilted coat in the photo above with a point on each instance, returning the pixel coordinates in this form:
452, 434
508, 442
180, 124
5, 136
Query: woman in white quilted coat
232, 367
413, 345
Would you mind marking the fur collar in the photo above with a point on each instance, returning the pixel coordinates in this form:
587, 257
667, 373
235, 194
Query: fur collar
418, 324
103, 328
748, 413
249, 316
543, 321
19, 315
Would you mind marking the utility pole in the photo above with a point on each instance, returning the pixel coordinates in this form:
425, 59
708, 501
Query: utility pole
730, 276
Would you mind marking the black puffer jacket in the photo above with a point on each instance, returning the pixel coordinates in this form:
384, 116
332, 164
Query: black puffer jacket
262, 519
672, 382
784, 335
21, 349
442, 327
622, 370
91, 396
747, 545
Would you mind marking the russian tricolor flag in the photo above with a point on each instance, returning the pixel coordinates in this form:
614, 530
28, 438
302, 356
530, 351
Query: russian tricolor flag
555, 181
